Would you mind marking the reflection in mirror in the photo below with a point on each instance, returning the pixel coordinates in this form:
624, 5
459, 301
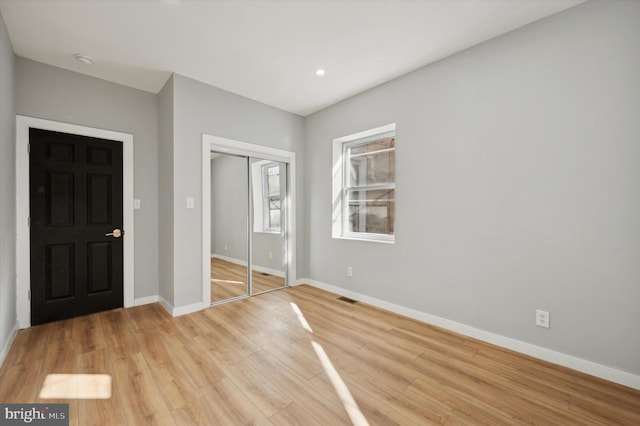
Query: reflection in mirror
268, 243
229, 226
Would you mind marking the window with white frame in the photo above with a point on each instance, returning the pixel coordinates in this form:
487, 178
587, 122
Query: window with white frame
364, 185
271, 197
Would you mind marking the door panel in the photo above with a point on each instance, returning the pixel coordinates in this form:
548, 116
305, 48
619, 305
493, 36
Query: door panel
99, 203
229, 225
60, 198
75, 197
100, 265
60, 261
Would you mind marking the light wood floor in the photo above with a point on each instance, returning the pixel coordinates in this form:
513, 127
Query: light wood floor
230, 280
255, 361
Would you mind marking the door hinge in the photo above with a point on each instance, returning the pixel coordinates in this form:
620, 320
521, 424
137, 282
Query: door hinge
29, 294
29, 148
29, 221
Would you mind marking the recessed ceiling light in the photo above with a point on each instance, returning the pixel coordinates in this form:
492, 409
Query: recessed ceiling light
320, 72
83, 58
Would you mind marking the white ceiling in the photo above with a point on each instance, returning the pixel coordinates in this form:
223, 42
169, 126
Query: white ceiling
265, 50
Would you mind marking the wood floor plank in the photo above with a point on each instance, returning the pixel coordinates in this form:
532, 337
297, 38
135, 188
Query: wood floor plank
299, 358
324, 408
294, 415
262, 393
366, 404
29, 345
199, 365
12, 383
421, 410
143, 399
98, 411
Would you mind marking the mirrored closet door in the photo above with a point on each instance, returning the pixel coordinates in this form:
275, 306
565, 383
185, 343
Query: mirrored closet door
229, 227
248, 226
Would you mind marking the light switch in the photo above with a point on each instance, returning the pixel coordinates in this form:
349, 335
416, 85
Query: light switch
136, 204
191, 203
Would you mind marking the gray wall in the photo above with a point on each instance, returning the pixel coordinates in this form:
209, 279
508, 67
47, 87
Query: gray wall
518, 186
263, 243
165, 191
198, 109
52, 93
7, 189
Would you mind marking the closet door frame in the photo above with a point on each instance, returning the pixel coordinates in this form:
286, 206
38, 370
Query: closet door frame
229, 146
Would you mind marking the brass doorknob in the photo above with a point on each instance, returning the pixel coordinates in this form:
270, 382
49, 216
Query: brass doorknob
116, 233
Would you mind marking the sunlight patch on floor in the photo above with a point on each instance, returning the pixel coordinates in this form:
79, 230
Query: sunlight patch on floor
340, 387
213, 280
301, 318
350, 405
76, 386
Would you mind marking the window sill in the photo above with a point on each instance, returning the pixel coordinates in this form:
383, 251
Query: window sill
266, 232
365, 239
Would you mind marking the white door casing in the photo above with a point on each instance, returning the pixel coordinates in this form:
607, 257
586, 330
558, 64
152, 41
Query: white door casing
230, 146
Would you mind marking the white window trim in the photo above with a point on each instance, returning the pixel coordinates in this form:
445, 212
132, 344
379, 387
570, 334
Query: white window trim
257, 194
339, 217
266, 198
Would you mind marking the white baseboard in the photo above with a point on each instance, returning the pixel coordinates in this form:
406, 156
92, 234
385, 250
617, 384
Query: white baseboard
256, 268
145, 300
230, 259
188, 309
575, 363
7, 346
269, 271
166, 305
180, 310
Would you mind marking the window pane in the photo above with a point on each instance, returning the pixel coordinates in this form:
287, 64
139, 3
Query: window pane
371, 211
274, 219
372, 163
274, 204
273, 180
374, 146
274, 213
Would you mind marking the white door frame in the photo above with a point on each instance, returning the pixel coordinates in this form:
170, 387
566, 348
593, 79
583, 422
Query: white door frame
230, 146
23, 245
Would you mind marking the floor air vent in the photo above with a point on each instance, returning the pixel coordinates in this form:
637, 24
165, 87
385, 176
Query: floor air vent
346, 299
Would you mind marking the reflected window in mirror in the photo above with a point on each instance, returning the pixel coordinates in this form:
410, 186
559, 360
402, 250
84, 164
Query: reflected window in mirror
271, 197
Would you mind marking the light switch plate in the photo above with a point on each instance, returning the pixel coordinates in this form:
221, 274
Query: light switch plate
136, 204
191, 203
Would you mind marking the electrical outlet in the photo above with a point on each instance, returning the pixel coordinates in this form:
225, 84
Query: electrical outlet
225, 247
349, 271
542, 318
270, 255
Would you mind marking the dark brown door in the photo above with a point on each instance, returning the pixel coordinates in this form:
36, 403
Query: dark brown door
75, 185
